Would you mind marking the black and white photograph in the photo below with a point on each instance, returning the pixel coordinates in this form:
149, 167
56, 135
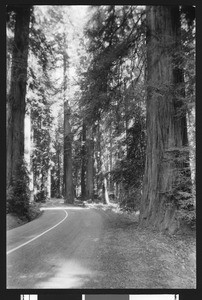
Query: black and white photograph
100, 149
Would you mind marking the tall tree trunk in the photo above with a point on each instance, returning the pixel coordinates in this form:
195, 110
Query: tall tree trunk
166, 130
68, 180
58, 184
99, 162
28, 150
16, 98
49, 183
111, 186
90, 166
83, 163
105, 192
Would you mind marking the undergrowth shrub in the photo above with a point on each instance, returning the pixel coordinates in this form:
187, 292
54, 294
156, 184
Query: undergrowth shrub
18, 195
183, 190
128, 172
187, 208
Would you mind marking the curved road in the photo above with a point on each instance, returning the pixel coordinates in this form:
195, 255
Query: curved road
57, 250
86, 248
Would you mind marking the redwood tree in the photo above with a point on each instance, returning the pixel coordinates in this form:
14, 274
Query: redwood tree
16, 97
83, 162
68, 180
90, 165
166, 121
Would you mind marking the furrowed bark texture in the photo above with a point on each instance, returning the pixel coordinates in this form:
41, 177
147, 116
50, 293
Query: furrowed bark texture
16, 98
68, 180
165, 129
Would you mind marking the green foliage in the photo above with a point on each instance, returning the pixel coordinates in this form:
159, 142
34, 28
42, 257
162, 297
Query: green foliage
112, 90
184, 195
129, 171
113, 33
187, 210
18, 193
40, 87
182, 192
41, 116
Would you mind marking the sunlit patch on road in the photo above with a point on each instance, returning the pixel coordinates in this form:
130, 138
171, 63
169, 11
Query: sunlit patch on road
70, 274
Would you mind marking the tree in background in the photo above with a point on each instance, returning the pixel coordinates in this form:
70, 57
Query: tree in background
57, 158
109, 83
39, 105
68, 179
135, 82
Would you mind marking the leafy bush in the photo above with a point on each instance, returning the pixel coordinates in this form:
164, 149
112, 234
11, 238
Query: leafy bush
182, 192
128, 172
18, 193
130, 199
187, 209
40, 196
34, 211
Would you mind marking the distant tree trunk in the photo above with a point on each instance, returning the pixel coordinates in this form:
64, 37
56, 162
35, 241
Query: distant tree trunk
28, 150
58, 193
111, 185
165, 129
99, 162
8, 72
83, 163
49, 184
16, 98
68, 180
105, 192
90, 166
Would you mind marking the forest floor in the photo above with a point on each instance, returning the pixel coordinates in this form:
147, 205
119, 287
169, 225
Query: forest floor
156, 260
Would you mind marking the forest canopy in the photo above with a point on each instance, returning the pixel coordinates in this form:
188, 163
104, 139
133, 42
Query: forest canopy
101, 108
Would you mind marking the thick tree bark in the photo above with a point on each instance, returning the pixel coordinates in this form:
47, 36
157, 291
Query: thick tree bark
68, 180
16, 98
166, 129
90, 165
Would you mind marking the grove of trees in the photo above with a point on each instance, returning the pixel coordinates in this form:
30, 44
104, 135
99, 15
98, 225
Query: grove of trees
110, 99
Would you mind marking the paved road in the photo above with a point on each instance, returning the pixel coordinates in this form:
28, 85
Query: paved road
57, 250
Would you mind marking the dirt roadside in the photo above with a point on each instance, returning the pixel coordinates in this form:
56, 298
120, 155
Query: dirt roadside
144, 258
